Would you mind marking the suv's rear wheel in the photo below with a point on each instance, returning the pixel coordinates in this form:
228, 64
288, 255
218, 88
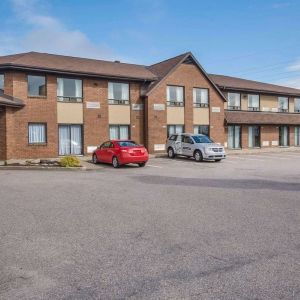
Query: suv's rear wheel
198, 156
171, 153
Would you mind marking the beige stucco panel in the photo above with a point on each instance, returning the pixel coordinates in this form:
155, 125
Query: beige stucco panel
268, 101
119, 114
175, 115
69, 113
244, 101
291, 105
201, 116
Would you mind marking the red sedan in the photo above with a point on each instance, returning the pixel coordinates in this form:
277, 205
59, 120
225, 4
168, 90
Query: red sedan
121, 152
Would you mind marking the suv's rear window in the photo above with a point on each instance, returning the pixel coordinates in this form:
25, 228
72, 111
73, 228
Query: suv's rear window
199, 139
127, 144
173, 137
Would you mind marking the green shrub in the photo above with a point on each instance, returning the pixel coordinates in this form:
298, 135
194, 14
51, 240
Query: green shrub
70, 161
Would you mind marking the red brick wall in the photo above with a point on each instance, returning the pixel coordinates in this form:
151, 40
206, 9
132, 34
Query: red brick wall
95, 120
2, 134
189, 76
36, 110
136, 116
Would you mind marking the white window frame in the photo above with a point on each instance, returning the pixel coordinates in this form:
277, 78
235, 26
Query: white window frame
297, 109
253, 108
125, 93
69, 98
285, 107
236, 106
204, 97
178, 128
2, 80
119, 126
197, 127
34, 140
179, 101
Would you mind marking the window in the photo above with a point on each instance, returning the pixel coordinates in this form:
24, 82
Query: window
202, 139
254, 136
173, 137
297, 136
234, 137
201, 129
70, 139
128, 144
297, 105
36, 85
200, 97
253, 102
283, 104
234, 101
175, 129
175, 96
119, 132
69, 90
118, 93
2, 82
37, 133
283, 136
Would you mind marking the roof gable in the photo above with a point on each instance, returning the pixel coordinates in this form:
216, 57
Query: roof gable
166, 67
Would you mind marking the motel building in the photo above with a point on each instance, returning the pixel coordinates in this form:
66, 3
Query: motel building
53, 105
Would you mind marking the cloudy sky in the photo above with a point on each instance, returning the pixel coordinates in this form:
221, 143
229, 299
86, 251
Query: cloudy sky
253, 39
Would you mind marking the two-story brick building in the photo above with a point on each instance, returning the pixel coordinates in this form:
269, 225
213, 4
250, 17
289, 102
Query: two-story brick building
53, 105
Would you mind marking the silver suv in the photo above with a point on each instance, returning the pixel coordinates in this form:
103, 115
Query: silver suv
198, 146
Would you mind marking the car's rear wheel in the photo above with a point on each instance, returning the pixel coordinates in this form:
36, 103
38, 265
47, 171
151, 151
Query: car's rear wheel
115, 162
95, 159
142, 164
217, 160
171, 153
198, 156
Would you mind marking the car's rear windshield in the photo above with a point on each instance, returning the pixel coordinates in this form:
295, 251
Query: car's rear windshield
128, 144
200, 139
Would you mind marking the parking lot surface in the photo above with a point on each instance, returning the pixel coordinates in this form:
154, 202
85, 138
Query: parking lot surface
175, 229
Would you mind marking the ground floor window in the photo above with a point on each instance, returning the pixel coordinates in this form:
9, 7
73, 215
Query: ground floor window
37, 133
201, 129
283, 136
297, 136
70, 139
175, 129
119, 132
234, 137
254, 136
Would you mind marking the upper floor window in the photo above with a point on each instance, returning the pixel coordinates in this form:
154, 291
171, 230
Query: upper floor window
234, 101
200, 97
175, 96
297, 105
118, 93
283, 104
36, 85
69, 90
2, 82
253, 102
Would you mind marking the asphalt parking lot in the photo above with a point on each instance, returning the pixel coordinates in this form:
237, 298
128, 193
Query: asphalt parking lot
175, 229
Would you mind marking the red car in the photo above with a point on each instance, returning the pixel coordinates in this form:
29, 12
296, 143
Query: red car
121, 152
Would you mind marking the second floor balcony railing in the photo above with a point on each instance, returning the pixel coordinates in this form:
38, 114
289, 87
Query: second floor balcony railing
118, 101
234, 107
280, 109
199, 104
253, 108
69, 99
175, 103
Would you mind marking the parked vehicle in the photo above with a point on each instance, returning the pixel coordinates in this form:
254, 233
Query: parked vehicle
121, 152
198, 146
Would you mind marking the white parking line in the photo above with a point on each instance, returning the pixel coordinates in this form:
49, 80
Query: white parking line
152, 166
245, 158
